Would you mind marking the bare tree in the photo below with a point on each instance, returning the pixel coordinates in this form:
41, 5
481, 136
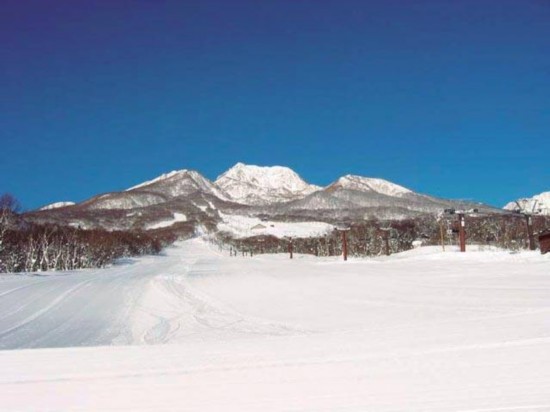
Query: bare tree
9, 207
9, 204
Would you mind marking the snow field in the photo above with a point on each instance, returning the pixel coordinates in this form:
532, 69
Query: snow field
177, 217
242, 226
418, 331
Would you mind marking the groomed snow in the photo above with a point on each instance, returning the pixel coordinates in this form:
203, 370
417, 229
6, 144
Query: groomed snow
418, 331
244, 226
177, 217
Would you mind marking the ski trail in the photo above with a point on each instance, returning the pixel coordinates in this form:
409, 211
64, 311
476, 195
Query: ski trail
39, 313
17, 289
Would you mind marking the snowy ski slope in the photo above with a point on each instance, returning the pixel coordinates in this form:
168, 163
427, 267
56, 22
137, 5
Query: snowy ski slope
196, 330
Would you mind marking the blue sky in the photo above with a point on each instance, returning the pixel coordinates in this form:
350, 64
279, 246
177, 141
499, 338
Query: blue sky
449, 98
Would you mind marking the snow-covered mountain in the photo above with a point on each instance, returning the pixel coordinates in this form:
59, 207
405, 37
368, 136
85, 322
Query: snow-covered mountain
245, 190
368, 184
56, 205
162, 189
537, 204
181, 183
360, 197
261, 185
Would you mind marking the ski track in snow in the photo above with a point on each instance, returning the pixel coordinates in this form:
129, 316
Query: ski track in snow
196, 330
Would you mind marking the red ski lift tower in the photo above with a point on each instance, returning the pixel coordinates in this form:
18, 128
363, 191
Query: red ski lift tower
344, 229
290, 246
529, 221
544, 241
385, 232
461, 224
462, 232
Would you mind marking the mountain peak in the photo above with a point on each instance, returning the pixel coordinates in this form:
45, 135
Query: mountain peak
180, 182
251, 184
163, 176
369, 184
266, 173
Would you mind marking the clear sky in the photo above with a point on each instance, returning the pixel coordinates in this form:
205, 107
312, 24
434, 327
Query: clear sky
446, 97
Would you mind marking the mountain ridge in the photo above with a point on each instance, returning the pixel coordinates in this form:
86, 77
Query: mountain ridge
275, 192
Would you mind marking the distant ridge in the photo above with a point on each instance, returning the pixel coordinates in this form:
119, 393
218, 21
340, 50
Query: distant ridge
258, 191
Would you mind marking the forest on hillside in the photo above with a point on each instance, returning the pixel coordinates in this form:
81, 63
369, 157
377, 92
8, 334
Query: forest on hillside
30, 247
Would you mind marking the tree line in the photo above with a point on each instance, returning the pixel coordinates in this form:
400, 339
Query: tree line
375, 237
30, 247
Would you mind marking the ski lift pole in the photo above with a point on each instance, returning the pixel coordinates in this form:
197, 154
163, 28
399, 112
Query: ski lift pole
441, 234
530, 234
462, 232
529, 223
290, 247
461, 226
385, 232
345, 244
344, 229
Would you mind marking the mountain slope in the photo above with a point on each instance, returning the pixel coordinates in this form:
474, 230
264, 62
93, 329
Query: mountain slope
56, 205
367, 184
360, 197
181, 183
124, 200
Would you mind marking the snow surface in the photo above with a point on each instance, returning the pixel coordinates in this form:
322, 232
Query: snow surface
177, 217
260, 185
418, 331
57, 205
244, 226
370, 184
532, 204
